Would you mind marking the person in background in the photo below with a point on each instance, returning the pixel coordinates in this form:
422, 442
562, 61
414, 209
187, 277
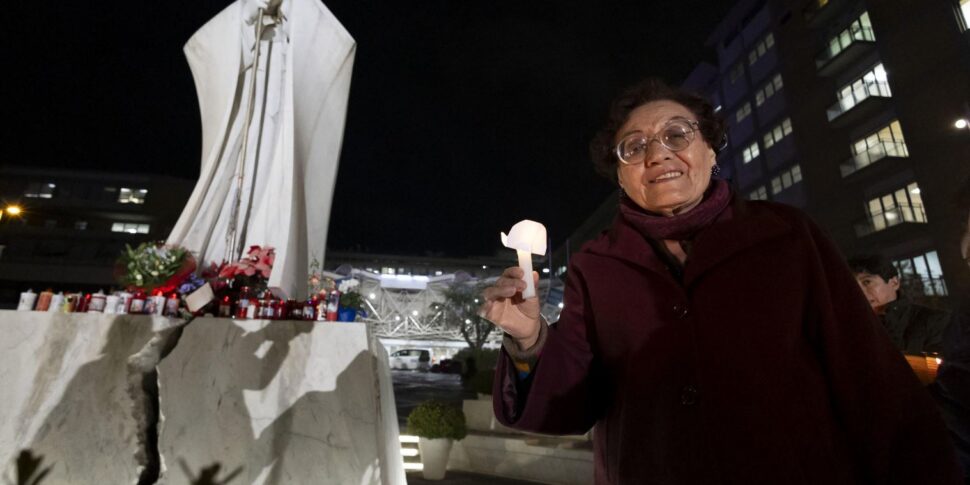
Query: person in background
912, 328
709, 339
952, 387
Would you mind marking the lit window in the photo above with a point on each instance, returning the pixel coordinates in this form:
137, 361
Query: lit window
786, 179
902, 205
761, 193
761, 48
775, 185
965, 12
743, 112
750, 152
922, 274
768, 90
132, 196
872, 83
38, 190
780, 131
130, 227
859, 30
888, 141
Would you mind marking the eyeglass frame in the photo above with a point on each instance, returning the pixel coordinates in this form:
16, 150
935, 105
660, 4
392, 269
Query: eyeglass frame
694, 127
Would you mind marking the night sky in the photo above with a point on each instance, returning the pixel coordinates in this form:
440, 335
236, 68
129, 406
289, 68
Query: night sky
464, 116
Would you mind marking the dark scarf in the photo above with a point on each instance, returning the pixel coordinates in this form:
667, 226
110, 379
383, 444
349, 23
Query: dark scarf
681, 227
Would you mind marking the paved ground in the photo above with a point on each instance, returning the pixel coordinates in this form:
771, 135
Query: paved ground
463, 478
410, 389
413, 387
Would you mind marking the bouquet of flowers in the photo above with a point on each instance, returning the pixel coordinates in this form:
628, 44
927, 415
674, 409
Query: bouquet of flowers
349, 297
252, 270
154, 267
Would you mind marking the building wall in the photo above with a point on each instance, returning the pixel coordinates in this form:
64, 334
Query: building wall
924, 49
68, 236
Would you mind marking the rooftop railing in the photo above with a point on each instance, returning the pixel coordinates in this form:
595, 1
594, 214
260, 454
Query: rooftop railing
843, 41
877, 152
858, 95
890, 217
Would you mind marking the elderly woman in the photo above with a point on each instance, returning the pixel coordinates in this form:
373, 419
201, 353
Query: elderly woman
709, 339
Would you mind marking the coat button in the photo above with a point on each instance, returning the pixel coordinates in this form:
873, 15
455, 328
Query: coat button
681, 311
688, 396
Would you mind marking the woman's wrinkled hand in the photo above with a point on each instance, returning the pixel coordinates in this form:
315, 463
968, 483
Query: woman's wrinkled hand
505, 307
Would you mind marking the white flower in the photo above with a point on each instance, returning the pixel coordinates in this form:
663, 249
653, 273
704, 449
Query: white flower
347, 285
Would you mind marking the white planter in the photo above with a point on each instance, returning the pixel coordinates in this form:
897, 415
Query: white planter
434, 457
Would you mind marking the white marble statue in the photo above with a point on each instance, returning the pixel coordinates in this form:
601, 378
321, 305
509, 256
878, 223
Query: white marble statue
287, 169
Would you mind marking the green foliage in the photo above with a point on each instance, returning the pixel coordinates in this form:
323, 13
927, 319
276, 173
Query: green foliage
480, 380
436, 419
353, 300
149, 265
484, 358
460, 310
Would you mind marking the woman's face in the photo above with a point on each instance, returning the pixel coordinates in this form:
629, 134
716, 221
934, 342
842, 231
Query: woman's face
667, 182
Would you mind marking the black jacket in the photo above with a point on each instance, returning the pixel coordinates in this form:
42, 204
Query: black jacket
915, 328
952, 386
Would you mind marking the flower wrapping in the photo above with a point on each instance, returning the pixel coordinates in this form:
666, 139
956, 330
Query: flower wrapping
154, 267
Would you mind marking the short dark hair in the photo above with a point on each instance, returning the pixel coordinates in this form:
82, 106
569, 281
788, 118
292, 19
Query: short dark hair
875, 264
601, 148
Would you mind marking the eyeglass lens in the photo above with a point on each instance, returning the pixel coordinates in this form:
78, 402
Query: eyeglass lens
675, 137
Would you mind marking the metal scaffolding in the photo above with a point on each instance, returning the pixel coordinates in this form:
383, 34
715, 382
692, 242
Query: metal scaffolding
407, 307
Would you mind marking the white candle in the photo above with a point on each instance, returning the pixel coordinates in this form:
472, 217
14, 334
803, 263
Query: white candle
57, 302
111, 304
158, 305
27, 300
526, 238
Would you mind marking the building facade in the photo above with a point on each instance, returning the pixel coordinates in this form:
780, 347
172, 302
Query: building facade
73, 225
850, 109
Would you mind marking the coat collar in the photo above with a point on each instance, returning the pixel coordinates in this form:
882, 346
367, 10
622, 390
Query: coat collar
744, 226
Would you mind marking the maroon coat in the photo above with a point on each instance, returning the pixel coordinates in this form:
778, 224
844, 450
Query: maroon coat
766, 366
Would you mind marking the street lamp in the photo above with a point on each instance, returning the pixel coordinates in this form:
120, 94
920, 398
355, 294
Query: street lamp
11, 210
960, 123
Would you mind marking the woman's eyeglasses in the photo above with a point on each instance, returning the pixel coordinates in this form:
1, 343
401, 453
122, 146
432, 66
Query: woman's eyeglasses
675, 136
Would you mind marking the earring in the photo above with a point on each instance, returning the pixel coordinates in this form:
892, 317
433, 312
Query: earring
716, 170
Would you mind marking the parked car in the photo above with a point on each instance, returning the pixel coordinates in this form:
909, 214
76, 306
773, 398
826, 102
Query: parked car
447, 366
411, 359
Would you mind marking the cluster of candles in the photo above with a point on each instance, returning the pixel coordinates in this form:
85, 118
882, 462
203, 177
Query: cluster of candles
249, 305
265, 306
122, 302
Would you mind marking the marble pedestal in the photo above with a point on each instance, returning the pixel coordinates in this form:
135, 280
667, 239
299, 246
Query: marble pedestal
71, 387
288, 402
282, 402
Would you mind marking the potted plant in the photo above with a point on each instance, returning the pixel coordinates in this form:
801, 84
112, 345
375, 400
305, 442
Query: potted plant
436, 424
351, 301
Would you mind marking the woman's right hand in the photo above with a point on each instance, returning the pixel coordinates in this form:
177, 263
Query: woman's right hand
505, 307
